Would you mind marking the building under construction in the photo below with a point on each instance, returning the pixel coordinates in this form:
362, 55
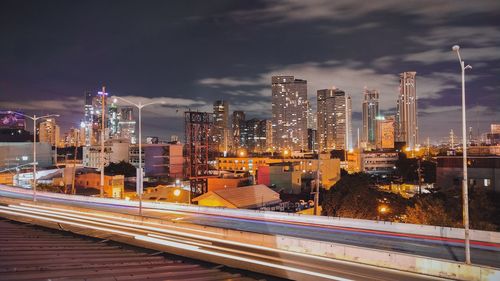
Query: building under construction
197, 129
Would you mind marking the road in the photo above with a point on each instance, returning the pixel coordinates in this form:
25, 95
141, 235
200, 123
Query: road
203, 245
443, 249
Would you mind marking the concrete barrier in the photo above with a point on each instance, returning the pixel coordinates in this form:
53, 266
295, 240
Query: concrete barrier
392, 260
370, 257
403, 228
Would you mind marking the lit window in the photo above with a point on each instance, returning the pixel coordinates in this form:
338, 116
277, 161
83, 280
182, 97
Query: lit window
487, 182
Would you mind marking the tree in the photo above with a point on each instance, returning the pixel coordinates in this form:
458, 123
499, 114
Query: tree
429, 210
121, 168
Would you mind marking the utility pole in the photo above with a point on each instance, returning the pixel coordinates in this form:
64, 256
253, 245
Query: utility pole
316, 194
419, 171
73, 190
103, 116
34, 157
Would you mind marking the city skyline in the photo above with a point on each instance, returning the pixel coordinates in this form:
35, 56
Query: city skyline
225, 51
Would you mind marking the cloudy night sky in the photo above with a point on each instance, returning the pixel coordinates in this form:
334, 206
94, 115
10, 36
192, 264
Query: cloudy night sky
191, 53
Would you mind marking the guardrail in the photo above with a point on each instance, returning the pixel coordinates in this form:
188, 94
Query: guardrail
403, 228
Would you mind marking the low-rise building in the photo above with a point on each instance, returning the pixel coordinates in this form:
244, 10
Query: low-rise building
247, 197
482, 172
115, 151
159, 160
113, 185
379, 162
13, 154
283, 176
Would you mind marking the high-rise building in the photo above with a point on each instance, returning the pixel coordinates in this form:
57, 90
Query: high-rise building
334, 120
48, 131
289, 108
220, 134
312, 120
370, 114
269, 135
253, 135
385, 132
312, 140
89, 117
113, 121
406, 118
93, 116
126, 124
237, 123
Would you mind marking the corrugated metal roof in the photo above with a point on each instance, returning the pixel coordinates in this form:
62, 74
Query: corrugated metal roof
252, 196
33, 253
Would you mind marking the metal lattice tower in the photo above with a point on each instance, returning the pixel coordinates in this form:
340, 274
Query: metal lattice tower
197, 129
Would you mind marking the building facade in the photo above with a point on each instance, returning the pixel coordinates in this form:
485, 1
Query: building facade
237, 123
334, 119
49, 131
370, 114
483, 172
379, 162
289, 109
220, 133
385, 132
159, 160
406, 117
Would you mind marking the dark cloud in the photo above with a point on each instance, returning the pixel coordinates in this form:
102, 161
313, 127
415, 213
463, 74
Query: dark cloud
200, 51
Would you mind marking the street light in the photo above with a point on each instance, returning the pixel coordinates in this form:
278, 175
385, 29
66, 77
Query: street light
139, 107
34, 118
465, 191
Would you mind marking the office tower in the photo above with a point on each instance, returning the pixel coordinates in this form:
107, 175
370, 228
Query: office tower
334, 120
289, 108
406, 118
93, 116
220, 134
269, 135
113, 121
126, 124
311, 118
253, 135
370, 114
237, 122
385, 132
312, 141
48, 131
88, 120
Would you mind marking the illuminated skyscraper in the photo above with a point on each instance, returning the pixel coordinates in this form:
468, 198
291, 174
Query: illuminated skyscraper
406, 118
93, 116
126, 124
289, 108
237, 124
334, 120
370, 114
220, 134
49, 132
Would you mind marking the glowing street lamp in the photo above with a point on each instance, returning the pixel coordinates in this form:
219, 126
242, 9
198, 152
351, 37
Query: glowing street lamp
139, 177
465, 195
35, 119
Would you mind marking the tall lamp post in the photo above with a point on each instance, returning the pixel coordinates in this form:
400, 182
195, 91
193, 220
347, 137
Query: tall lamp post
465, 195
34, 118
139, 178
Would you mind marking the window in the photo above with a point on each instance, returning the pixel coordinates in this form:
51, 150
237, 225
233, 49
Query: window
487, 182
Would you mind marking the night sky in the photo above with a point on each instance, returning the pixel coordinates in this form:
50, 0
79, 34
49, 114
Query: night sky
191, 53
